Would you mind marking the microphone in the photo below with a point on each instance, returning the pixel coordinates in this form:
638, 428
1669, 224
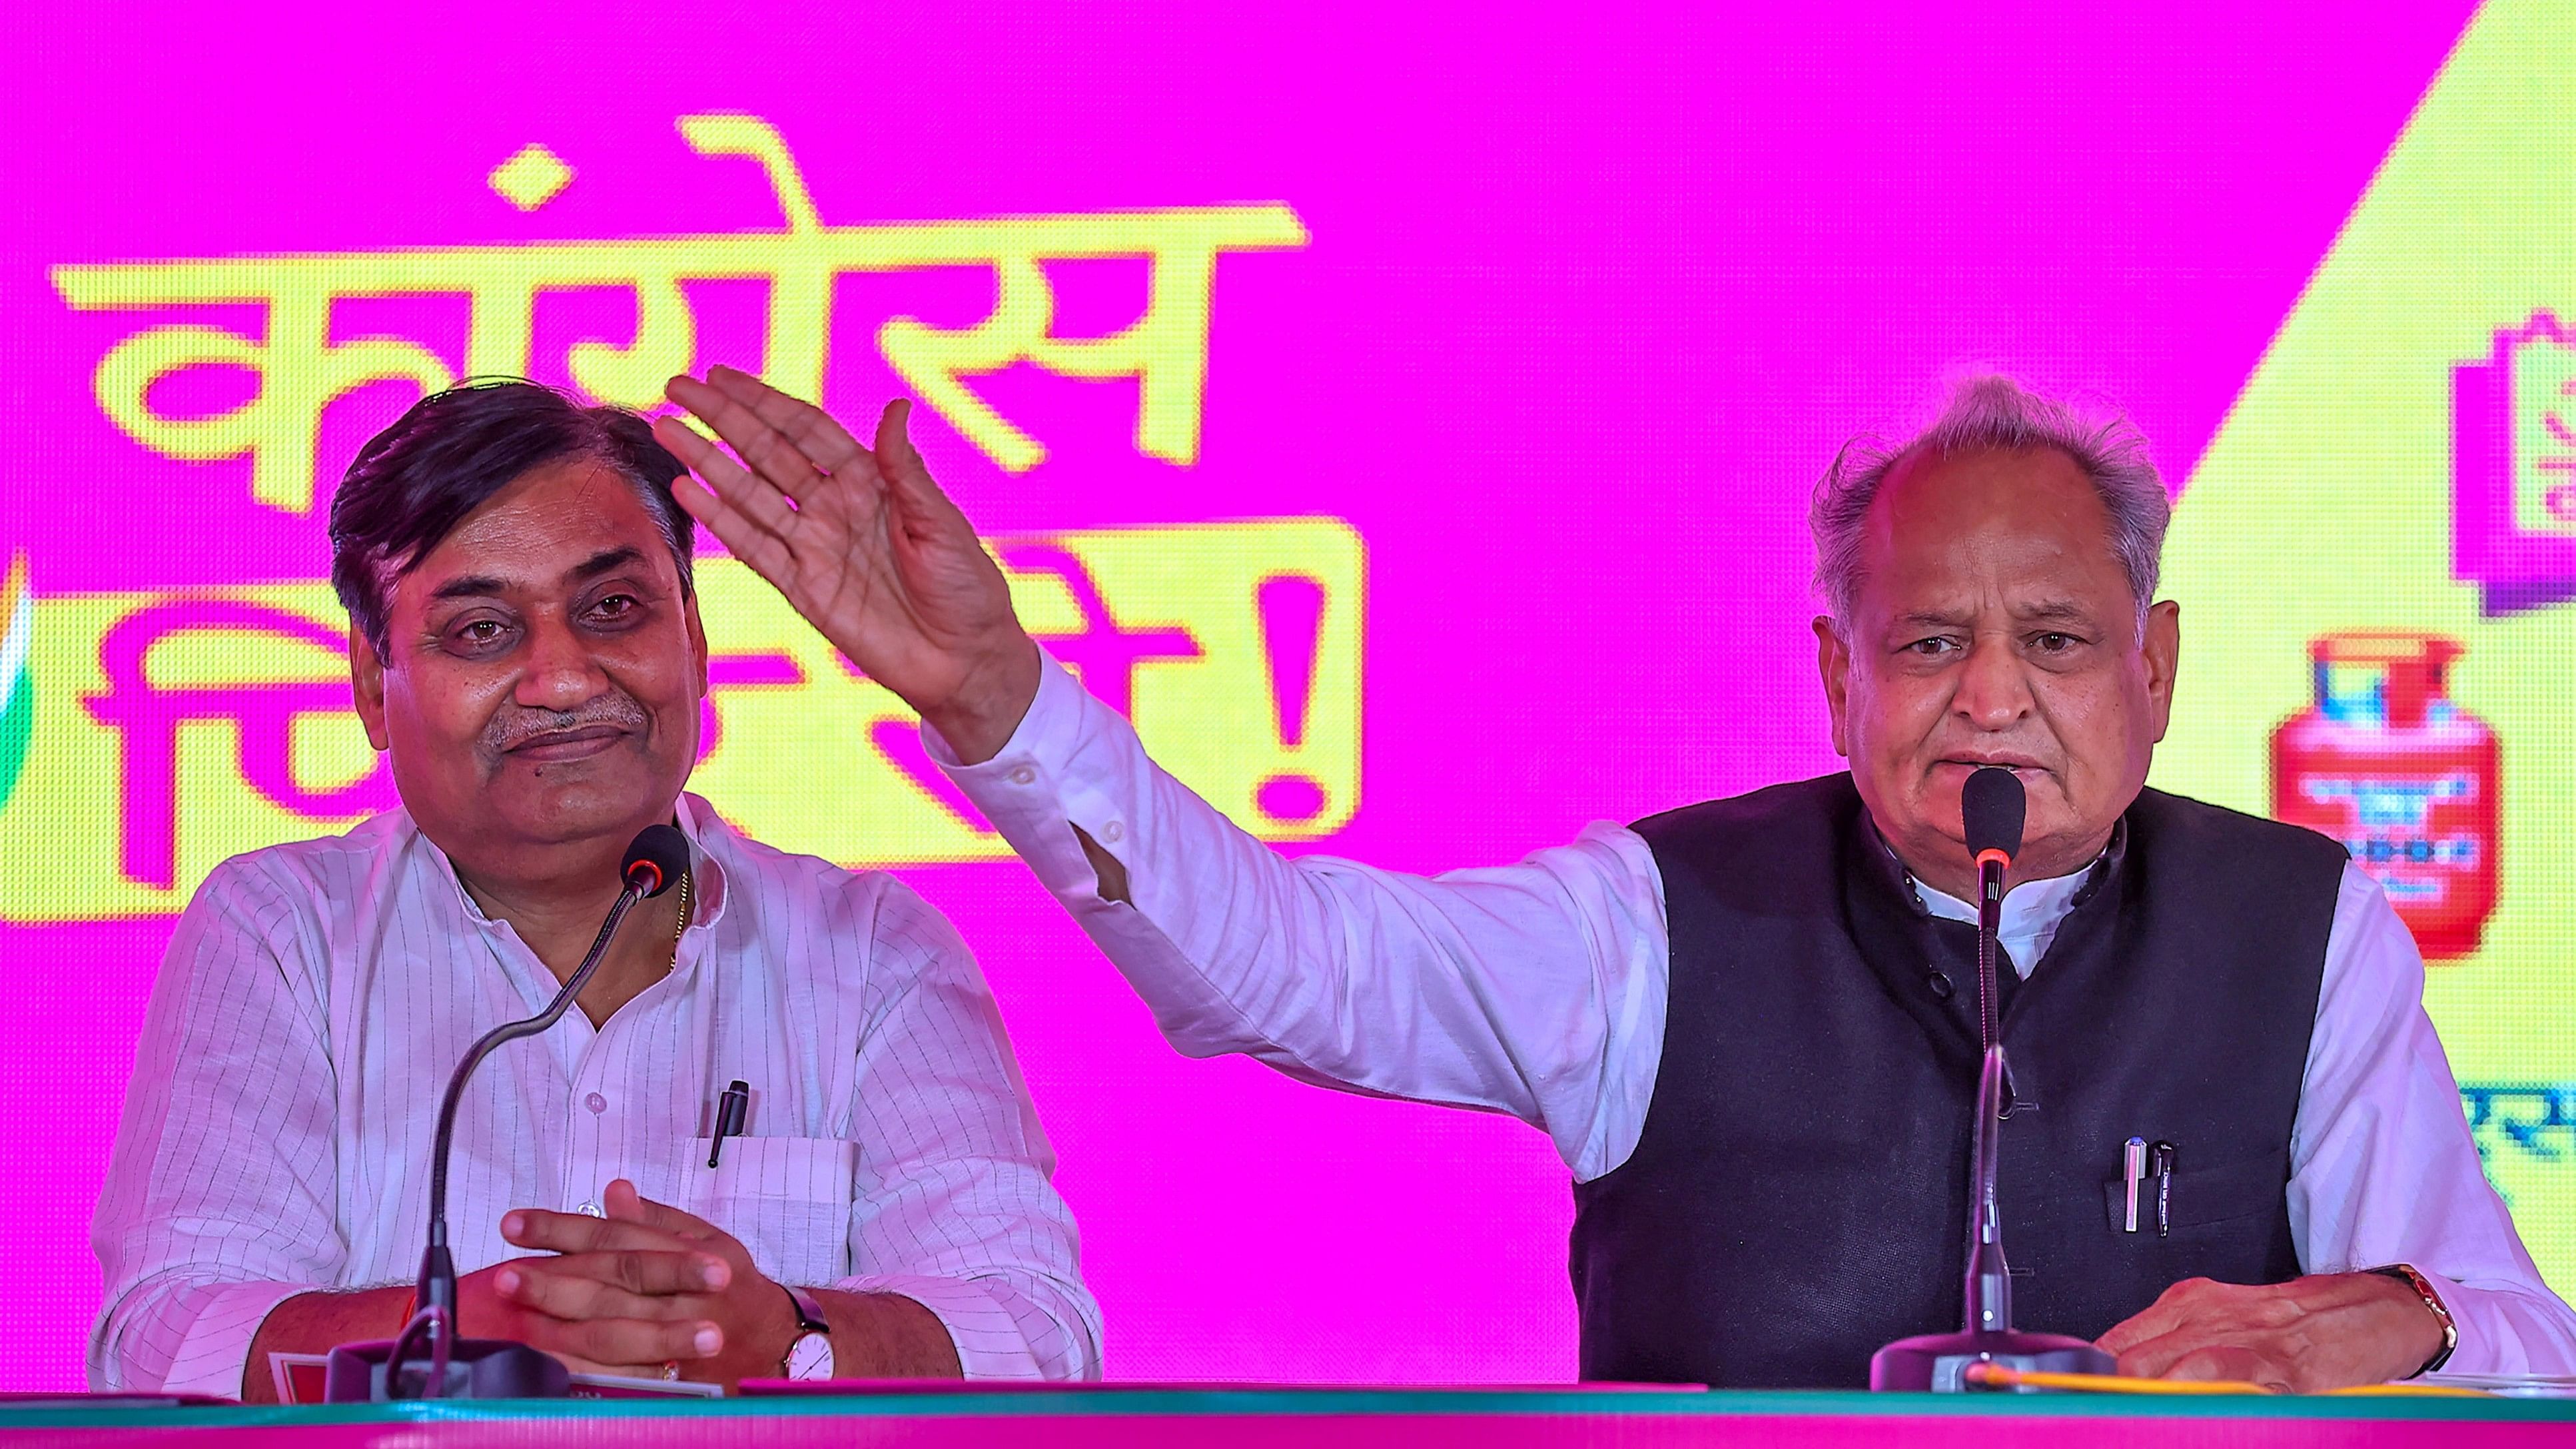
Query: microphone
426, 1360
1992, 809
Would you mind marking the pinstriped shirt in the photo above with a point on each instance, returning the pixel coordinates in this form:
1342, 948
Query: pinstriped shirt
315, 996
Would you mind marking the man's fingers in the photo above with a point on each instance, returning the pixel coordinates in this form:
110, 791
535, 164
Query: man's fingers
2194, 1354
2228, 1363
2149, 1357
569, 1295
720, 493
577, 1364
771, 454
825, 444
2174, 1307
754, 545
626, 1340
899, 463
614, 1285
582, 1233
625, 1202
767, 554
755, 497
2129, 1333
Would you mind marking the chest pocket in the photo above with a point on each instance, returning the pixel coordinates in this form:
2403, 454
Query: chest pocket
787, 1198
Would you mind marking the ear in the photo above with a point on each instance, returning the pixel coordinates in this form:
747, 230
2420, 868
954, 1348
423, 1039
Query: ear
697, 636
2162, 649
367, 681
1833, 665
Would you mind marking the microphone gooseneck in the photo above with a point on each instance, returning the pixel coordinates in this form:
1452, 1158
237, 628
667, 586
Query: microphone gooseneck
654, 862
1992, 809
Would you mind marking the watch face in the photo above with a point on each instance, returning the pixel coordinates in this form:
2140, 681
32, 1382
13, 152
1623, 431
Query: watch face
810, 1357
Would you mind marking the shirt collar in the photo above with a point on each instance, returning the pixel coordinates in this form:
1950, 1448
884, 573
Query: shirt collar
2032, 906
2032, 911
709, 836
707, 833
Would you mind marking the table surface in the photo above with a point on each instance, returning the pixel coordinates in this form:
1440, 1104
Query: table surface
1251, 1417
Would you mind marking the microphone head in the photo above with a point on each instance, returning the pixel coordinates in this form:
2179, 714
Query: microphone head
1992, 807
657, 859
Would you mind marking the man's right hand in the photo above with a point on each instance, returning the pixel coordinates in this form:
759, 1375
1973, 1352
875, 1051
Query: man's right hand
865, 546
609, 1297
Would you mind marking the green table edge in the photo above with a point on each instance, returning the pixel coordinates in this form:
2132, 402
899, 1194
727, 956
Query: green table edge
1253, 1401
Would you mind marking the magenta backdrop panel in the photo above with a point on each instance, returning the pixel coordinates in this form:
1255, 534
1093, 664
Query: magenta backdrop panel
1559, 313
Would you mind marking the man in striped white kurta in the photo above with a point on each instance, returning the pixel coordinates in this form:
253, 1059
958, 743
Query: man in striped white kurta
526, 648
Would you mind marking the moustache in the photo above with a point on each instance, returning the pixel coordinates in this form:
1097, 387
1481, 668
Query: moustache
515, 726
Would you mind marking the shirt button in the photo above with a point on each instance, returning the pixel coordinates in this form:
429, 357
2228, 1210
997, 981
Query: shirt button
590, 1210
596, 1103
1113, 832
1023, 775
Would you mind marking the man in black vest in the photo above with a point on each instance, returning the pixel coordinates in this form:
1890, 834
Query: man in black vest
1743, 1022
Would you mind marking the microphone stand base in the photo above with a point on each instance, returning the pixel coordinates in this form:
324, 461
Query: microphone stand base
1938, 1362
477, 1368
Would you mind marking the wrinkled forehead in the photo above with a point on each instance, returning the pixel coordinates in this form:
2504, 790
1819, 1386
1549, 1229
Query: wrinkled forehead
552, 529
2022, 523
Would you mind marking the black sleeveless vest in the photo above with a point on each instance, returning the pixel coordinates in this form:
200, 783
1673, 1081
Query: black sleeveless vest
1798, 1196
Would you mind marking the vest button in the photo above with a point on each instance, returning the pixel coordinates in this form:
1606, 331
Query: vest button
1940, 985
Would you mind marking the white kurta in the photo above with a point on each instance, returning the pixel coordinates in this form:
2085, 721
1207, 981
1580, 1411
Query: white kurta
277, 1131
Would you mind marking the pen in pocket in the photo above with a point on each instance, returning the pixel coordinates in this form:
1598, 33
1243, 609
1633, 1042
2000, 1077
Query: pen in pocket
730, 1110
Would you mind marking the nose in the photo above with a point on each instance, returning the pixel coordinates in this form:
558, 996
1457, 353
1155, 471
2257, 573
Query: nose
561, 674
1993, 693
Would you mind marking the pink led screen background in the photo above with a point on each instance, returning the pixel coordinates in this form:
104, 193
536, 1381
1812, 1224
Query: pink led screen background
1578, 303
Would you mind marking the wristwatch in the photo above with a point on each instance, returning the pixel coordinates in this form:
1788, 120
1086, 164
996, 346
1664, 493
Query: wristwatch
809, 1353
2405, 1273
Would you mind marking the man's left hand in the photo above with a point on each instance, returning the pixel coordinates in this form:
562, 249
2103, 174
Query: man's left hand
755, 1314
2305, 1336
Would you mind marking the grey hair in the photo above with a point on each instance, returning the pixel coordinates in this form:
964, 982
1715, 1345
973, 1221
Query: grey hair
1995, 412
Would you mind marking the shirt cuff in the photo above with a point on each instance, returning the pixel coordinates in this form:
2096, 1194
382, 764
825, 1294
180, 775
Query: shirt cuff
2507, 1331
1057, 771
213, 1351
1046, 735
987, 1338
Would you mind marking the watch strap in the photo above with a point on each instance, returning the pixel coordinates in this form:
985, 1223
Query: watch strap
811, 1329
2406, 1273
809, 1313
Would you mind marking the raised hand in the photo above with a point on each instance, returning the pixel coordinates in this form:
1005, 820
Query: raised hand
865, 546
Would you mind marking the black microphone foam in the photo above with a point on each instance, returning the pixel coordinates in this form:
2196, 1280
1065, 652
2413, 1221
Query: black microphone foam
660, 854
1992, 807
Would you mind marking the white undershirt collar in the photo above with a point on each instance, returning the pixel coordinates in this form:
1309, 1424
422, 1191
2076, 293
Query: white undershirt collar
2033, 910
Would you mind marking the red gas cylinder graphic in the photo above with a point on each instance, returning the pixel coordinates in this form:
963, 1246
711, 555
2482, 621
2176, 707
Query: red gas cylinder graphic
2385, 763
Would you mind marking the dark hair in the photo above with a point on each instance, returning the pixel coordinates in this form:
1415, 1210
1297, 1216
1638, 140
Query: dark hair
413, 483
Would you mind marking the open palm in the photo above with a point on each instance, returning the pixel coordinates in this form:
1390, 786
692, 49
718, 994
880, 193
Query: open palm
864, 545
